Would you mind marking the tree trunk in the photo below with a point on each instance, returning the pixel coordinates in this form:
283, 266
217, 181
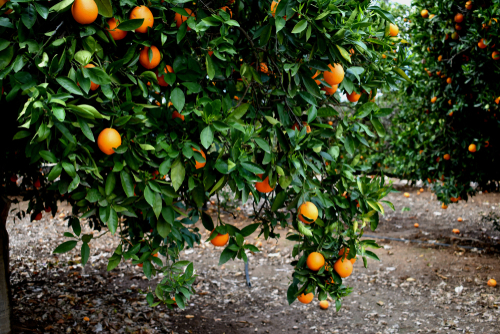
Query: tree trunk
5, 305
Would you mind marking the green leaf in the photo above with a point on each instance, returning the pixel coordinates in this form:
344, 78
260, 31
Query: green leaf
401, 73
344, 53
252, 167
86, 129
28, 16
207, 137
240, 111
97, 75
383, 13
69, 85
249, 229
85, 252
55, 172
178, 99
113, 262
21, 134
130, 25
127, 183
349, 145
225, 256
163, 228
291, 292
49, 156
263, 144
280, 23
61, 6
110, 183
65, 247
112, 221
279, 201
104, 7
299, 27
177, 174
207, 221
210, 67
302, 229
378, 127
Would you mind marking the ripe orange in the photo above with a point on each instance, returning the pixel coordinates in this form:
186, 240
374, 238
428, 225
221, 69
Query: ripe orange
416, 225
444, 206
335, 75
84, 11
434, 99
142, 12
448, 81
263, 68
421, 190
220, 240
456, 231
492, 283
439, 59
93, 86
307, 213
176, 114
116, 34
161, 80
330, 123
460, 219
2, 2
306, 299
393, 30
406, 195
199, 164
353, 97
38, 216
108, 139
472, 148
343, 267
179, 19
495, 55
324, 304
315, 261
341, 252
263, 186
468, 5
481, 44
446, 157
459, 18
458, 27
227, 9
424, 13
144, 57
431, 16
330, 91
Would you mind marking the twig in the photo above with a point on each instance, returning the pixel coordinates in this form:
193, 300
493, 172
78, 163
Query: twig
253, 47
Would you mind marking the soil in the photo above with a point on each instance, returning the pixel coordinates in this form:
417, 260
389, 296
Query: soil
415, 288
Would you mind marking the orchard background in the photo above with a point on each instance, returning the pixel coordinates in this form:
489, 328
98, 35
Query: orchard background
126, 119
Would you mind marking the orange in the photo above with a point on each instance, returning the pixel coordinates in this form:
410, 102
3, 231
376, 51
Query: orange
458, 27
495, 55
3, 2
439, 59
306, 299
144, 57
460, 219
448, 81
176, 114
446, 157
416, 225
227, 9
424, 13
393, 30
263, 186
263, 68
406, 195
492, 283
353, 97
335, 75
84, 11
324, 304
454, 35
116, 34
179, 19
220, 240
296, 127
481, 44
308, 213
161, 80
431, 16
456, 231
472, 148
38, 216
341, 252
330, 91
444, 206
468, 5
330, 123
315, 261
142, 12
108, 139
434, 99
343, 267
384, 56
421, 190
459, 18
93, 86
199, 164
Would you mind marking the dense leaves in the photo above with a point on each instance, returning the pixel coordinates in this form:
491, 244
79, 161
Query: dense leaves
233, 96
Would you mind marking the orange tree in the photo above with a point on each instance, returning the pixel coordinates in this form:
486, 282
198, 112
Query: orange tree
137, 115
447, 131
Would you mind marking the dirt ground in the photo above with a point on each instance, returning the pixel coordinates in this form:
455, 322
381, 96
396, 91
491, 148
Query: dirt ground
415, 288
